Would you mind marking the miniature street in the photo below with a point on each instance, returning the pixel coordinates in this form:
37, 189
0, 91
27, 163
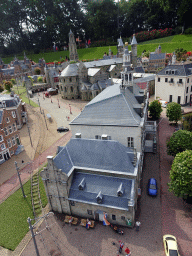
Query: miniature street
156, 214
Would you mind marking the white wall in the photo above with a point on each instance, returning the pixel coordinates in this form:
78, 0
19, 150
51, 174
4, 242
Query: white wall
117, 133
164, 89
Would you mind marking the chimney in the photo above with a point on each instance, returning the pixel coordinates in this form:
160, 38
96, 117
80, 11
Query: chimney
104, 137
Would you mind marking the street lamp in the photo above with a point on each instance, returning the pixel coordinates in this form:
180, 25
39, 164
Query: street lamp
17, 169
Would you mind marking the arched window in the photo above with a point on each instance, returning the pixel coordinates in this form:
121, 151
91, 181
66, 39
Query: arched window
70, 79
71, 88
129, 77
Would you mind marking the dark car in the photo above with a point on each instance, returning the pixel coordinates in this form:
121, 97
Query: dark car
62, 129
152, 187
51, 91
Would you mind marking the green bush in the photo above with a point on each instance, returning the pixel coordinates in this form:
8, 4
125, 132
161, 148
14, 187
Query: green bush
37, 71
179, 142
13, 81
8, 85
173, 112
40, 79
155, 109
188, 31
1, 88
180, 175
187, 123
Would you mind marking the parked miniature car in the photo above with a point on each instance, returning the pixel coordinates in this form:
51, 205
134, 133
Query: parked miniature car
62, 129
152, 187
52, 91
170, 245
163, 103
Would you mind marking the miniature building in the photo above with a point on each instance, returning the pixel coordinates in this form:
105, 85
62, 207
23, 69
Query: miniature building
89, 177
72, 47
16, 107
173, 83
9, 135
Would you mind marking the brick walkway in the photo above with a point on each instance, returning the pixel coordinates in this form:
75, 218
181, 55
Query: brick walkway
12, 184
176, 217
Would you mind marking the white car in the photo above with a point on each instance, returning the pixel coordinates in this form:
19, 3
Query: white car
170, 245
163, 103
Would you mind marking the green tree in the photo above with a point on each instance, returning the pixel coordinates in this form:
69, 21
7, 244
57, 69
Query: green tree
181, 175
180, 53
40, 79
155, 109
174, 112
1, 88
8, 85
179, 142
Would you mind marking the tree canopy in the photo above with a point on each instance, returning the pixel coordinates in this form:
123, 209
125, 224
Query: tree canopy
29, 24
173, 112
181, 175
179, 142
155, 109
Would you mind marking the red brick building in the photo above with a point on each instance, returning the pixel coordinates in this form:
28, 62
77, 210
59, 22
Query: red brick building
9, 134
16, 107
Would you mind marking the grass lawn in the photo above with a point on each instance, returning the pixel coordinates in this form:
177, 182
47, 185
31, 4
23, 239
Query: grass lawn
13, 216
168, 44
21, 91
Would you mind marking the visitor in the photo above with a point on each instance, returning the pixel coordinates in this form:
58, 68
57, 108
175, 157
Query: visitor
127, 251
137, 224
121, 246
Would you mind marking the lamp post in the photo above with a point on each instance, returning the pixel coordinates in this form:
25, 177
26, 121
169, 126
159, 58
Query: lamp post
17, 169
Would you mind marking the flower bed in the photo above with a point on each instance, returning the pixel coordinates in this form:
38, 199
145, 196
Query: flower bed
153, 34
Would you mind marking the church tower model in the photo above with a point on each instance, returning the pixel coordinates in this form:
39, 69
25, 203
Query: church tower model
134, 51
73, 55
126, 74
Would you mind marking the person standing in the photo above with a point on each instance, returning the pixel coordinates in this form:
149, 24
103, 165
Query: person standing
137, 224
127, 251
121, 246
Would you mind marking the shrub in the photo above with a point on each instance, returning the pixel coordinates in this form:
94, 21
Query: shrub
188, 31
8, 85
37, 71
40, 79
13, 81
155, 109
180, 175
173, 111
179, 142
31, 79
1, 88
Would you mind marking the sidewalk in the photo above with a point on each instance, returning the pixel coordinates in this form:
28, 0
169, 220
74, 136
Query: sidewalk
12, 184
176, 218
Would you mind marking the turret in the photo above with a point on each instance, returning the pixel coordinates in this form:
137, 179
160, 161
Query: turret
73, 55
174, 58
134, 51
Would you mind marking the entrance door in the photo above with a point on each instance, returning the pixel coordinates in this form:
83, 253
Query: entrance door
170, 98
6, 156
179, 99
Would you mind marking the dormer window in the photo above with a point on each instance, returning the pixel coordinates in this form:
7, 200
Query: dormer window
120, 190
82, 184
99, 198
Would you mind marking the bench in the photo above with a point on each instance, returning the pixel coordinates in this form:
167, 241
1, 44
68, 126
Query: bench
68, 218
84, 221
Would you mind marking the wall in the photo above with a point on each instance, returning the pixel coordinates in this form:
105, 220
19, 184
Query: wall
117, 133
164, 89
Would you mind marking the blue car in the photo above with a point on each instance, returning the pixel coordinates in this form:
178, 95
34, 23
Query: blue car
152, 187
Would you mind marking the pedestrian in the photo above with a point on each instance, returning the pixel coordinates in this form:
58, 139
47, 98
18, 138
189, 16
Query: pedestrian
127, 251
137, 224
121, 244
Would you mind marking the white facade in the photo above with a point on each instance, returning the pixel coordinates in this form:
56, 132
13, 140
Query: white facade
170, 86
117, 133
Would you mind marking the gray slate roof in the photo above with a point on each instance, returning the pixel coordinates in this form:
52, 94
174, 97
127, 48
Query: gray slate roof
110, 107
10, 101
139, 70
180, 70
70, 70
95, 154
108, 186
157, 56
144, 79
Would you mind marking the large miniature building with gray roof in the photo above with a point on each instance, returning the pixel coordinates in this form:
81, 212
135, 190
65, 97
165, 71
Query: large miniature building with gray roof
88, 79
174, 83
89, 177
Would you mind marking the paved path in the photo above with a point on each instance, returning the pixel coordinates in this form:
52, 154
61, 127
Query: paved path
176, 217
13, 183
